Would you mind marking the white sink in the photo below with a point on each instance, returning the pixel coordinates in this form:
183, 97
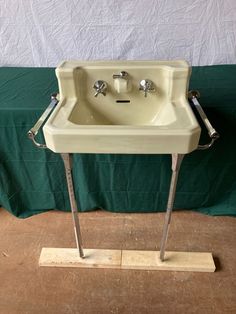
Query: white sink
123, 120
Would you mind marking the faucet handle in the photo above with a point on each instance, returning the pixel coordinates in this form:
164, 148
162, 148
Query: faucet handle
100, 87
146, 86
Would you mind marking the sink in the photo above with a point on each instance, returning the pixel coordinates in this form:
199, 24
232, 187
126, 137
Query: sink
124, 118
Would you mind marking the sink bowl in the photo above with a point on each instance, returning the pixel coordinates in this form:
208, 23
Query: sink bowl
124, 120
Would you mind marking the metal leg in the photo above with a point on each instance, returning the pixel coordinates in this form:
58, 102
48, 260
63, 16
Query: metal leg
176, 162
67, 159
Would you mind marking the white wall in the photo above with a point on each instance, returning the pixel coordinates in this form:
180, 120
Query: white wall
44, 32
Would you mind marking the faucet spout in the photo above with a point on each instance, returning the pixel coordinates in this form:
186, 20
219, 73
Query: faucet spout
121, 82
121, 75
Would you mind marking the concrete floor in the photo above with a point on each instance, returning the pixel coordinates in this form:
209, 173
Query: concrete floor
26, 288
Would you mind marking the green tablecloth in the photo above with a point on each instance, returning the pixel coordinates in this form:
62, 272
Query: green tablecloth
33, 181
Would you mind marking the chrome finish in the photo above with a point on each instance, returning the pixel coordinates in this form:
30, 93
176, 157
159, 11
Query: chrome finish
67, 159
176, 163
100, 87
194, 93
206, 146
31, 136
146, 86
34, 130
122, 75
213, 134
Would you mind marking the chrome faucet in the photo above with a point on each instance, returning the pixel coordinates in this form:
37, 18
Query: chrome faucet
122, 75
146, 86
121, 82
100, 87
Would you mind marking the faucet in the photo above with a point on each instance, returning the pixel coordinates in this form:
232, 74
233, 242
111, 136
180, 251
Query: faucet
146, 86
121, 82
100, 87
122, 75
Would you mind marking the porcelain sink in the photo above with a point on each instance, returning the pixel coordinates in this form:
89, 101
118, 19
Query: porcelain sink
122, 120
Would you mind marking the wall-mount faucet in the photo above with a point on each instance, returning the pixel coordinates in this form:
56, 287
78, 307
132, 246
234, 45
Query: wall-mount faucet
100, 87
121, 82
146, 86
122, 75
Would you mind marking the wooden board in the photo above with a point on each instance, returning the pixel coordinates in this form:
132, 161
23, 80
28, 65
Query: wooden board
65, 257
127, 259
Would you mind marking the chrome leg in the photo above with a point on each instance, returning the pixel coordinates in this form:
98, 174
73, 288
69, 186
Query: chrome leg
67, 159
176, 163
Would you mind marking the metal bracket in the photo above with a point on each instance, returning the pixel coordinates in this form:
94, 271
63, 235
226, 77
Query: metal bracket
34, 130
193, 95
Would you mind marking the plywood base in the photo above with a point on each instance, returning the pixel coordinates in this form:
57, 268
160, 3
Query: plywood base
127, 259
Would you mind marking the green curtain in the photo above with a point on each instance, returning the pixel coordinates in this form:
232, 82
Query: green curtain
33, 181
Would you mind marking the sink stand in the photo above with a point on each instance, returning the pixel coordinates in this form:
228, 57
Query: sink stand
126, 259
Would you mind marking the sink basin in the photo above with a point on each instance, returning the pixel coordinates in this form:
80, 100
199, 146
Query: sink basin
124, 121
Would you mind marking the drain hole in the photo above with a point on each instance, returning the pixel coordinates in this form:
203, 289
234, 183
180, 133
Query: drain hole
122, 101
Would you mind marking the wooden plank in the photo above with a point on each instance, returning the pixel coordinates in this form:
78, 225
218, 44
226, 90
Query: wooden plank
127, 259
176, 261
66, 257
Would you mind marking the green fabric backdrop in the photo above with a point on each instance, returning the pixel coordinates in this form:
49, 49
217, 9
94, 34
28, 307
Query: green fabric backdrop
32, 180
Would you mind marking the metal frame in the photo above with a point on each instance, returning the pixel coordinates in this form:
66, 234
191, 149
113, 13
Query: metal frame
34, 130
68, 162
193, 96
176, 163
